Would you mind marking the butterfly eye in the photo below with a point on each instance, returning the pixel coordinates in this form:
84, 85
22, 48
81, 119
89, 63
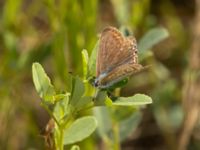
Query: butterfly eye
96, 83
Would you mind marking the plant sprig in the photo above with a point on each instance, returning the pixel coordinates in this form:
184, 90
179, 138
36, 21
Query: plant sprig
63, 108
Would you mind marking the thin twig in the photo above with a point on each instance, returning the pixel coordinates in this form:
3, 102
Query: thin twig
191, 95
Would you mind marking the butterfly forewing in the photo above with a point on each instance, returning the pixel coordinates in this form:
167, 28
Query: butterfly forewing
111, 42
117, 57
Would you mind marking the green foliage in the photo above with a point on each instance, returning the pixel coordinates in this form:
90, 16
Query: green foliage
54, 33
42, 83
71, 129
104, 120
78, 100
67, 105
85, 62
92, 61
137, 99
75, 147
77, 90
128, 125
151, 38
64, 109
61, 109
80, 129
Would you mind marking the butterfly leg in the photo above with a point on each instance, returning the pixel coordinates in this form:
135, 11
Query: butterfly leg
111, 96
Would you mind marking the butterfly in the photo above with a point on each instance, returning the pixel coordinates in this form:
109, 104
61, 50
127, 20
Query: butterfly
116, 58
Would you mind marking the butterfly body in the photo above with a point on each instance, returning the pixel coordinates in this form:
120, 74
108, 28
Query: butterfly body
116, 58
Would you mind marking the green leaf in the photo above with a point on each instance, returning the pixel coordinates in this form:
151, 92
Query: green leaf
104, 120
77, 90
55, 98
108, 102
42, 83
151, 38
59, 97
80, 129
85, 63
128, 125
144, 55
61, 107
77, 100
83, 102
100, 98
92, 61
75, 147
137, 99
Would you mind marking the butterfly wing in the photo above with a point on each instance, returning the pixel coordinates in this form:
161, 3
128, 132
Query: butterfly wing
110, 42
119, 73
114, 50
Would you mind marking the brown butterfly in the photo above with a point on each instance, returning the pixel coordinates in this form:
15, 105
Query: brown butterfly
116, 58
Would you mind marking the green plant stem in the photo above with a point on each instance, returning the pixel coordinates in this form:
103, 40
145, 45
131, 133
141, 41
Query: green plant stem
96, 93
108, 142
61, 139
62, 127
65, 123
51, 114
116, 144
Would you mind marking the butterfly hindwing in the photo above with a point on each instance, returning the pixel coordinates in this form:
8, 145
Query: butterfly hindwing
119, 73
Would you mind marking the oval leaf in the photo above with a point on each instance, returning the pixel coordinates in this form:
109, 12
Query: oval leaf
80, 129
75, 147
42, 83
151, 38
104, 120
137, 99
77, 90
85, 62
61, 107
83, 102
129, 125
92, 61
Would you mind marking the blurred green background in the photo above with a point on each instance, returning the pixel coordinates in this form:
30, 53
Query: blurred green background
54, 32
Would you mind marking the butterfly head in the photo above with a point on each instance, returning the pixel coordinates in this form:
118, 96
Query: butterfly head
97, 81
